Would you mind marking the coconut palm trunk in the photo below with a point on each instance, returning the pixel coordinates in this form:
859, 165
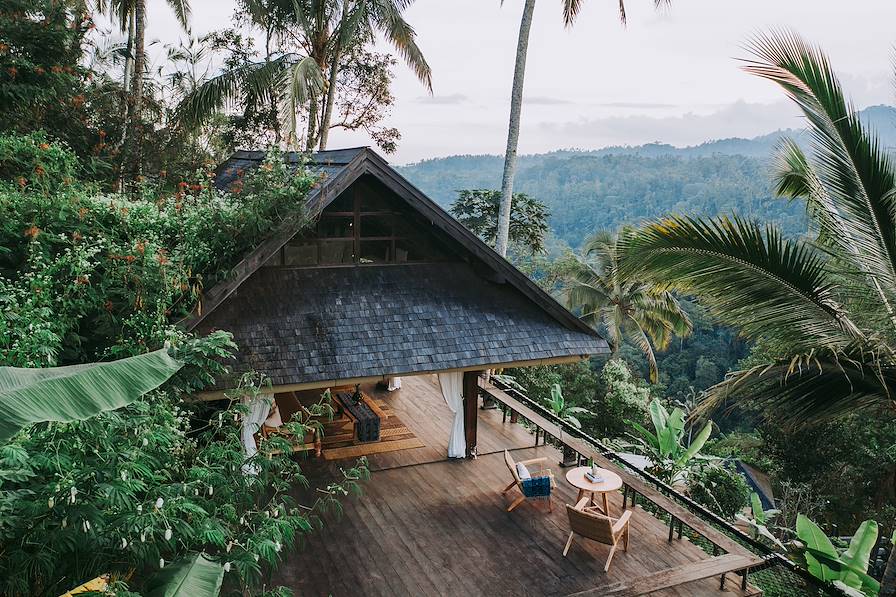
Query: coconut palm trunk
331, 100
513, 130
133, 153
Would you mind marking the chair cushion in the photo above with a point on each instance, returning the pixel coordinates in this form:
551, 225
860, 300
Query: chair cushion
522, 472
537, 487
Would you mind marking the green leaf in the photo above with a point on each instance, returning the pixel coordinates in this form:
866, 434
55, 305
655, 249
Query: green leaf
858, 554
818, 547
756, 506
193, 576
77, 392
696, 445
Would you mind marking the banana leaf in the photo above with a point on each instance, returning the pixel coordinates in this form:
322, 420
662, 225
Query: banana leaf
696, 445
77, 392
821, 557
858, 555
193, 576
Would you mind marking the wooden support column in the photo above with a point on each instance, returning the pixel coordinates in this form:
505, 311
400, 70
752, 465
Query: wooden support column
471, 409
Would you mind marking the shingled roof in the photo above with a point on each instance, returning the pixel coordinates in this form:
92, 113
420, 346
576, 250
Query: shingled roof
323, 325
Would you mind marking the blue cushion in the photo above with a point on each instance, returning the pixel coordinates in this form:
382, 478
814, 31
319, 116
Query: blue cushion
537, 487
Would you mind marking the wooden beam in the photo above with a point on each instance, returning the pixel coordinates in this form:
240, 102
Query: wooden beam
471, 409
329, 383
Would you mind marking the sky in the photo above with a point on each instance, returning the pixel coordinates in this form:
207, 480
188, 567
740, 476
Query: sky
671, 76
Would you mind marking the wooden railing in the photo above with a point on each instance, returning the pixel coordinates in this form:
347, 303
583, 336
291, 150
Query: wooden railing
681, 509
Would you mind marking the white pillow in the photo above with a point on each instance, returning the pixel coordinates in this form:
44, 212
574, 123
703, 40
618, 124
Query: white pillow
522, 472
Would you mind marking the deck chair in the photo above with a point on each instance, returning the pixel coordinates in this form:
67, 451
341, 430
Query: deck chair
537, 486
587, 521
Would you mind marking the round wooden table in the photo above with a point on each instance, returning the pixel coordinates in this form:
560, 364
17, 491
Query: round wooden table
611, 482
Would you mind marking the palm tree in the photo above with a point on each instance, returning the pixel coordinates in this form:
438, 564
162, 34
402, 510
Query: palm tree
625, 307
826, 306
323, 30
131, 17
571, 10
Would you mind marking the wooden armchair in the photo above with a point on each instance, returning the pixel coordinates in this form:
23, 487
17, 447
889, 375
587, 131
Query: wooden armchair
588, 522
288, 406
537, 487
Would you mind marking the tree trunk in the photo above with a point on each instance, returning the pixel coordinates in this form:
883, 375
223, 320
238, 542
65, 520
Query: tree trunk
311, 139
133, 154
513, 130
331, 99
888, 581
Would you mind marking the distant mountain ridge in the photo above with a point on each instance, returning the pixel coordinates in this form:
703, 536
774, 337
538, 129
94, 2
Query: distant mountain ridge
589, 190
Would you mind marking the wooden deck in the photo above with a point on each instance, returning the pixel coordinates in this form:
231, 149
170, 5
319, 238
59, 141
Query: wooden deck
430, 526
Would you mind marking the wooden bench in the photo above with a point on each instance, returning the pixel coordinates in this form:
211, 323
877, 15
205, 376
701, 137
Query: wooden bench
673, 577
366, 420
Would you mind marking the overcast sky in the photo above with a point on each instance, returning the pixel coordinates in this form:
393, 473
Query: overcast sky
670, 76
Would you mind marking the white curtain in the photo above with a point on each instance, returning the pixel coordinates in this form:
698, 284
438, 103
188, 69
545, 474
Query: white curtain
259, 407
452, 385
393, 383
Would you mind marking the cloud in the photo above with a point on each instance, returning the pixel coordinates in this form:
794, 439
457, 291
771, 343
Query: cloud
646, 105
443, 100
540, 100
739, 119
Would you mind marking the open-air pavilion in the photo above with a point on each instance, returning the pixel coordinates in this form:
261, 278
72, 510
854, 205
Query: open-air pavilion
398, 310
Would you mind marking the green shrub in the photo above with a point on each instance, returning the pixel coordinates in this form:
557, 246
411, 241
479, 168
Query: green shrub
720, 488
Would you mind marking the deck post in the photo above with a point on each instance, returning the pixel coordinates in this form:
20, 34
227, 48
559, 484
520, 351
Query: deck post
471, 409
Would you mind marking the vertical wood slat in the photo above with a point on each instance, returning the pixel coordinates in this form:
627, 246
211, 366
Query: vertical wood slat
471, 409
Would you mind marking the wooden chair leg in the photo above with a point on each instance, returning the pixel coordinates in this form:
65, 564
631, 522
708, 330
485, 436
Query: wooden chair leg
516, 503
508, 488
568, 544
625, 539
550, 504
610, 558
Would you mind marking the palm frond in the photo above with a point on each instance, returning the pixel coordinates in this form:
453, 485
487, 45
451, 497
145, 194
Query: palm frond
636, 335
181, 9
299, 83
252, 83
810, 388
387, 15
856, 172
750, 279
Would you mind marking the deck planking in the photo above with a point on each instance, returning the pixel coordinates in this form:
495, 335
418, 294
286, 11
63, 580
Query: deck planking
431, 526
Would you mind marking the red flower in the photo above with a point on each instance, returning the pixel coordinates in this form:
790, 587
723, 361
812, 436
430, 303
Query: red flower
195, 187
141, 247
22, 181
39, 70
39, 170
56, 69
32, 232
13, 71
44, 146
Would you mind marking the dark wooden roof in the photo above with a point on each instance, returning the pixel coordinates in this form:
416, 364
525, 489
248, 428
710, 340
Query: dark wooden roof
355, 322
307, 325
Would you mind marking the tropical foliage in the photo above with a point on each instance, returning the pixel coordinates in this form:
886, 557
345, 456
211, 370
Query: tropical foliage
847, 569
77, 392
620, 305
666, 448
477, 209
825, 306
564, 411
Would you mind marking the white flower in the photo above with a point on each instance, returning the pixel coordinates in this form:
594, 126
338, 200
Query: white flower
161, 562
229, 546
277, 546
145, 442
159, 503
196, 491
256, 557
86, 526
124, 475
139, 508
73, 491
65, 522
143, 537
168, 534
124, 543
242, 520
276, 512
211, 490
227, 567
51, 502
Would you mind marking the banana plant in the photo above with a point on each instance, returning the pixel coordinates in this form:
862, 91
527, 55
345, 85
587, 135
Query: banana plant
848, 570
78, 392
665, 446
193, 576
562, 410
759, 521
